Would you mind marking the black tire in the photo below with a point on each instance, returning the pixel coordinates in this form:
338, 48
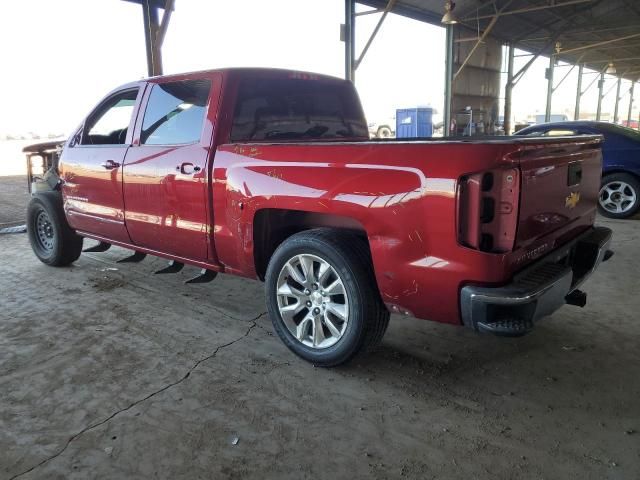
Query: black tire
51, 238
627, 184
349, 256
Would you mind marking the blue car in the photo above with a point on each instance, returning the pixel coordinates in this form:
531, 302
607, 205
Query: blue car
620, 190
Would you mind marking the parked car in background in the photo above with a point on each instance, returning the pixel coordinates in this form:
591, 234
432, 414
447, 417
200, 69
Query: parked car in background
620, 189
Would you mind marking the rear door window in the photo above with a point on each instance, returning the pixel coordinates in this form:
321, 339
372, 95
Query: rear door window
175, 113
296, 109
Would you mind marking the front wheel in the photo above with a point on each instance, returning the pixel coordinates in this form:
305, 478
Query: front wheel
51, 238
619, 195
322, 297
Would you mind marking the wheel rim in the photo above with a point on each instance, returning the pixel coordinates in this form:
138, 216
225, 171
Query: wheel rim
617, 197
312, 301
45, 235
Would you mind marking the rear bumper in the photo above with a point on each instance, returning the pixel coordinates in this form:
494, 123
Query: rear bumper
539, 290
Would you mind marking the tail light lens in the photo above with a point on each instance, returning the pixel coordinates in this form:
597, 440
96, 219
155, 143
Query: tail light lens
488, 210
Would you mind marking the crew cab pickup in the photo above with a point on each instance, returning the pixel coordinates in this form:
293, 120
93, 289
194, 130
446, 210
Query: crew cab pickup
270, 175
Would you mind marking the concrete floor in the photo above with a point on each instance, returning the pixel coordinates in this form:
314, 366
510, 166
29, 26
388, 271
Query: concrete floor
109, 371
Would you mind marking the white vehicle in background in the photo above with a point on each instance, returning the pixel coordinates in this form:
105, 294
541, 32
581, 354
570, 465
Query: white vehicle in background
386, 128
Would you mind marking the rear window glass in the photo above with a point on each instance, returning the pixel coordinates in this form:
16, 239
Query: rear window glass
560, 133
295, 109
175, 113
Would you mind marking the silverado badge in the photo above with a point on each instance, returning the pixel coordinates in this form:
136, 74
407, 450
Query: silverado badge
572, 200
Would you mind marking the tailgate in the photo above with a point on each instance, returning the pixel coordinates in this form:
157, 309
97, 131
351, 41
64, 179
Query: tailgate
560, 181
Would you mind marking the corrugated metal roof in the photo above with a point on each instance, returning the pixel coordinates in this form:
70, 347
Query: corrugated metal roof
593, 32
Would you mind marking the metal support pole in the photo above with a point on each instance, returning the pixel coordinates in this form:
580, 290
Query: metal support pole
349, 39
633, 84
615, 109
549, 74
508, 90
600, 95
154, 57
576, 113
448, 80
372, 37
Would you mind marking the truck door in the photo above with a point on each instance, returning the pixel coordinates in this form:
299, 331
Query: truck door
165, 171
91, 167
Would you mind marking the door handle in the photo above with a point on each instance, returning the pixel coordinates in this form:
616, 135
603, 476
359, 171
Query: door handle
188, 168
110, 164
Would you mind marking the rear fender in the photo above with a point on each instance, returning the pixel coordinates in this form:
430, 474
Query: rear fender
381, 201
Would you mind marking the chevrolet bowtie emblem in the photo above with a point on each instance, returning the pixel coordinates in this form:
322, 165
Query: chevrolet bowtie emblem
572, 200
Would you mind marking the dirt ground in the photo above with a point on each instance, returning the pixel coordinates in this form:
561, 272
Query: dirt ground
109, 371
13, 200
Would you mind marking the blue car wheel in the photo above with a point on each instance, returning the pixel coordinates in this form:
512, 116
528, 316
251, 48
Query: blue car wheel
619, 195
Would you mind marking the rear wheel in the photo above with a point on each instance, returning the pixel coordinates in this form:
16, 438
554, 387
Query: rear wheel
619, 196
322, 297
52, 239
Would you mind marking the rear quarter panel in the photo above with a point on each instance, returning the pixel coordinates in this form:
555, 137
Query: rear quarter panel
403, 195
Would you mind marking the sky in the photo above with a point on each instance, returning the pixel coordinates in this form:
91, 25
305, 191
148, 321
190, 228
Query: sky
59, 58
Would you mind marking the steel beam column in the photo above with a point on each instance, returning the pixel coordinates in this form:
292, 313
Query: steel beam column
633, 84
549, 74
151, 26
349, 40
508, 91
576, 113
615, 109
448, 80
600, 95
372, 37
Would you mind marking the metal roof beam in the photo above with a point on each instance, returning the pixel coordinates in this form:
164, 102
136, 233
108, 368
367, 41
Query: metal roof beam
387, 9
164, 24
580, 31
531, 9
612, 59
566, 75
482, 37
523, 70
593, 81
597, 44
630, 46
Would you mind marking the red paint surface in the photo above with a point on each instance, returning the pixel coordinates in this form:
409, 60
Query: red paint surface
403, 194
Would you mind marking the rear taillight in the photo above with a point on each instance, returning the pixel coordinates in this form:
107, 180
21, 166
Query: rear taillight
488, 210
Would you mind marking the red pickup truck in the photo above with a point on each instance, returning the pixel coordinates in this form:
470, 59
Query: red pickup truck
270, 174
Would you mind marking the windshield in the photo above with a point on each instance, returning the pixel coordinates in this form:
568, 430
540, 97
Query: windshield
297, 109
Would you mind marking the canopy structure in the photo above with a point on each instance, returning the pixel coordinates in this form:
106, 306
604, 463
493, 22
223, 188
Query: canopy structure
603, 35
595, 33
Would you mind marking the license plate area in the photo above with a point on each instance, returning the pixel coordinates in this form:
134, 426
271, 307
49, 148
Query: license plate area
574, 174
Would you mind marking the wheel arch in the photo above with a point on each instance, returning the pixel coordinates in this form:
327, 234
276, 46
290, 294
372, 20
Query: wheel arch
612, 171
272, 226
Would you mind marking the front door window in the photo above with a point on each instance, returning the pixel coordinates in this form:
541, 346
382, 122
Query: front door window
109, 124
